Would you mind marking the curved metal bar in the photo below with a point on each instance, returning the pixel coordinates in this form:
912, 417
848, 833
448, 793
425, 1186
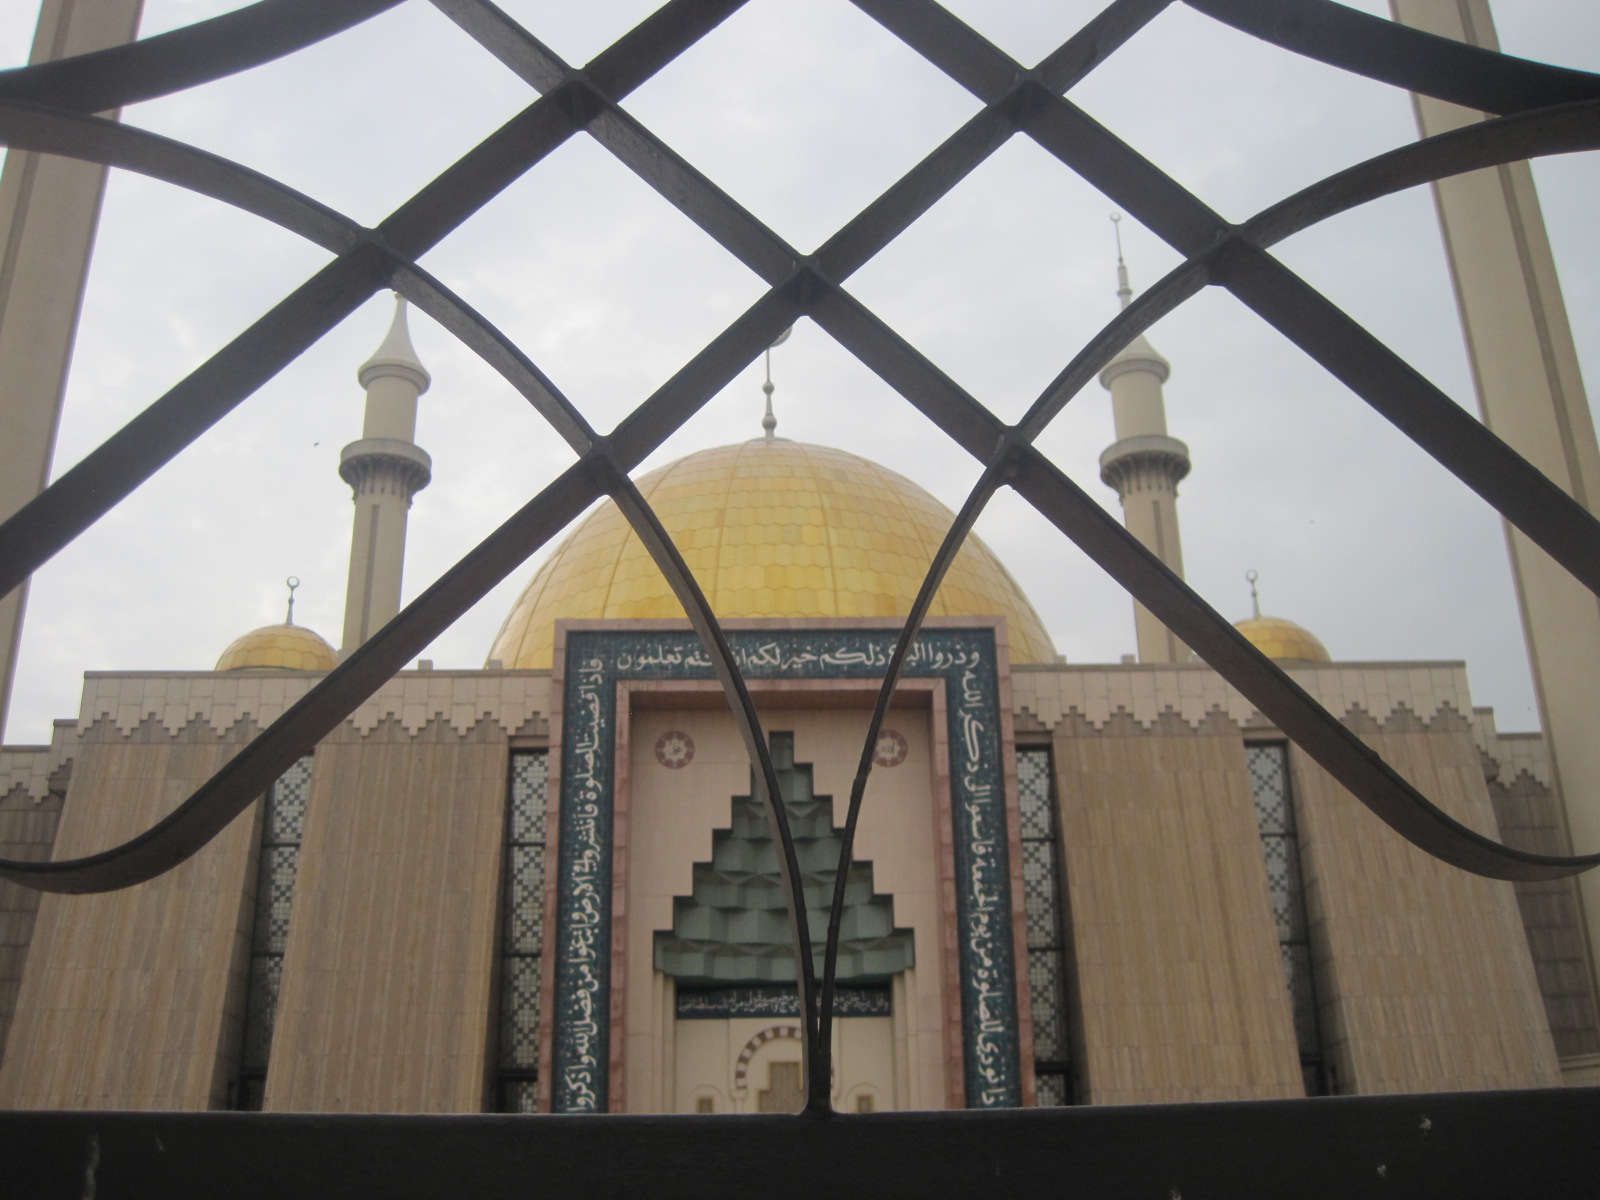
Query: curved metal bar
245, 777
1155, 302
1563, 129
991, 479
106, 475
1517, 489
1551, 518
1091, 150
642, 518
1265, 684
205, 813
83, 494
26, 126
1397, 54
672, 176
1328, 741
485, 339
103, 80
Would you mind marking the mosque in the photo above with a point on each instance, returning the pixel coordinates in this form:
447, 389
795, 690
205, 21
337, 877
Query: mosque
544, 885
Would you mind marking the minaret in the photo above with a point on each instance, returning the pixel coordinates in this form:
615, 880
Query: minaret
1144, 465
384, 470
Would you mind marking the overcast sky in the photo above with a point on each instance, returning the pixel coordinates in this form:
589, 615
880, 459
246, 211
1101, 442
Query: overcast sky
803, 110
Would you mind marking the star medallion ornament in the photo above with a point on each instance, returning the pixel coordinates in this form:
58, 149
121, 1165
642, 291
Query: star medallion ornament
891, 749
674, 749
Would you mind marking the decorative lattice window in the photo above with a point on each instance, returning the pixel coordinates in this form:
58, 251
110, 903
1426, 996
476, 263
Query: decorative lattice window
282, 828
522, 936
1042, 895
1280, 847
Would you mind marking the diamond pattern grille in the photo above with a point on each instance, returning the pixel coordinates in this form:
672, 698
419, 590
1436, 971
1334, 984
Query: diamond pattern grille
282, 827
522, 936
1280, 850
1041, 893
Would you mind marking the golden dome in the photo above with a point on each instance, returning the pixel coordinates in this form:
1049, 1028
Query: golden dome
770, 529
278, 648
1282, 641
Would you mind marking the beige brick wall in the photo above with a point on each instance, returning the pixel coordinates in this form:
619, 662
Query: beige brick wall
390, 958
1176, 953
1424, 977
27, 832
124, 1000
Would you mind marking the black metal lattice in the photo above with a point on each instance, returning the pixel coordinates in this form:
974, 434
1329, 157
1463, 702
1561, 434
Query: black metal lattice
522, 934
282, 829
1042, 909
1268, 765
1537, 110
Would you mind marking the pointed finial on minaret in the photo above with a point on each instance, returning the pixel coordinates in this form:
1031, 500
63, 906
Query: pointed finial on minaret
293, 582
396, 356
770, 422
1255, 601
1124, 290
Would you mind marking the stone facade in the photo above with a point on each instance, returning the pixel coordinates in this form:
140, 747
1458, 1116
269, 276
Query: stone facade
392, 992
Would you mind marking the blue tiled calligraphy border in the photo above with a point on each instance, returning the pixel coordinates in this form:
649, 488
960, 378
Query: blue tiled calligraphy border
597, 660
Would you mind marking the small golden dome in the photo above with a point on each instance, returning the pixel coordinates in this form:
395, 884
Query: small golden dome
770, 529
278, 648
1283, 641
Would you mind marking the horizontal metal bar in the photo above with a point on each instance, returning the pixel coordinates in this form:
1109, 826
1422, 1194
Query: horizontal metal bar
1441, 1146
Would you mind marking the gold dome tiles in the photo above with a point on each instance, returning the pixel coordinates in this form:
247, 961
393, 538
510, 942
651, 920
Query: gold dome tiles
777, 529
278, 648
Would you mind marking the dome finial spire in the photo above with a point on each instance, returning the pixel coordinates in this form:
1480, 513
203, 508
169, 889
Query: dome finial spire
1124, 289
291, 583
769, 422
1255, 600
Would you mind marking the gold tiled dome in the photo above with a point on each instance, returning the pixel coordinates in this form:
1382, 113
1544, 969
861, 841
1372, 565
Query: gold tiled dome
770, 529
278, 648
1282, 641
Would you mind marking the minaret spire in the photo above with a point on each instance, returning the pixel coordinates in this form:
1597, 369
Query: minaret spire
384, 470
1144, 464
769, 423
1124, 289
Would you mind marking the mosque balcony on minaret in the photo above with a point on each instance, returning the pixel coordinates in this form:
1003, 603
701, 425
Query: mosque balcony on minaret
385, 469
1147, 462
385, 465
